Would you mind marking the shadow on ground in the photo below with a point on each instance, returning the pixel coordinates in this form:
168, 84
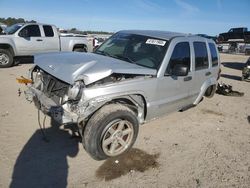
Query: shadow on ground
234, 65
24, 60
232, 77
44, 164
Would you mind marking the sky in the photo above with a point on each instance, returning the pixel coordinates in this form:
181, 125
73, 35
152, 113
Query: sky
187, 16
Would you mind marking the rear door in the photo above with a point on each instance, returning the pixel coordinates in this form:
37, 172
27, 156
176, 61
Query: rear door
50, 39
214, 59
173, 92
29, 40
201, 65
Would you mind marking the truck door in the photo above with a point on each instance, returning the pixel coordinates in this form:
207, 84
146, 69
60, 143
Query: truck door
50, 39
173, 92
29, 40
237, 33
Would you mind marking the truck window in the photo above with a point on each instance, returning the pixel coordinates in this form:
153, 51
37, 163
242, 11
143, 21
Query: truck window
180, 55
201, 57
238, 30
32, 31
48, 31
214, 55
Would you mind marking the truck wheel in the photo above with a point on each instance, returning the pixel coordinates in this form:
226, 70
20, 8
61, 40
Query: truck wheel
210, 91
6, 58
80, 50
111, 131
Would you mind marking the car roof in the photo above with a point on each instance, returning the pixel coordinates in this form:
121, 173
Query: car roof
31, 23
167, 35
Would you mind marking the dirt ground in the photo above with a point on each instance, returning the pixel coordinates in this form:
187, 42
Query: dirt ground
206, 146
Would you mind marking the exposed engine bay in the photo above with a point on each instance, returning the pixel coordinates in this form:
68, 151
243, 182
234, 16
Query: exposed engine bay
49, 85
65, 102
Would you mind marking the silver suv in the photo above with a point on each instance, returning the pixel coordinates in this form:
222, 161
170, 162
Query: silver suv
131, 78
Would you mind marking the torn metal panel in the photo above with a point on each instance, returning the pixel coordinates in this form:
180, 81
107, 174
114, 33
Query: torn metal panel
86, 109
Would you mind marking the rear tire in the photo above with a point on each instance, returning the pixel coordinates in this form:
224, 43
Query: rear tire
111, 131
80, 50
6, 58
210, 91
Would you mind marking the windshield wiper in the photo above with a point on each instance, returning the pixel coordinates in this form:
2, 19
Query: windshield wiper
126, 58
103, 53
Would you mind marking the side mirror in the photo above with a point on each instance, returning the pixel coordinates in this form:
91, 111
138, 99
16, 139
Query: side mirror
24, 33
180, 70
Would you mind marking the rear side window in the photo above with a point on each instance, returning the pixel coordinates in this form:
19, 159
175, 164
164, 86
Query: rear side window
214, 55
201, 57
48, 31
180, 55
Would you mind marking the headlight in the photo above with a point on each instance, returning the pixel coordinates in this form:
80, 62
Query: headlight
74, 92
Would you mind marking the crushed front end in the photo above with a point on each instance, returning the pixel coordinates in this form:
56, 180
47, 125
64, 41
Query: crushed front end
54, 97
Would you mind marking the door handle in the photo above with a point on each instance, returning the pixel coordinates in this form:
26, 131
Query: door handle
208, 73
39, 40
188, 78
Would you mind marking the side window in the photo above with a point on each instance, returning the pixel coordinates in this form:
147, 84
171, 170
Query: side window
31, 31
214, 55
48, 31
201, 57
238, 30
180, 55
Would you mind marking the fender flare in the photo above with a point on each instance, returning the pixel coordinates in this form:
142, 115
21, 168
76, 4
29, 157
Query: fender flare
9, 47
136, 102
205, 85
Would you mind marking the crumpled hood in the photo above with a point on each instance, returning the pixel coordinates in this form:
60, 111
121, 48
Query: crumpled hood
89, 67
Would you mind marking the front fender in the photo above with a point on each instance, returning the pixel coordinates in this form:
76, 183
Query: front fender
136, 100
8, 43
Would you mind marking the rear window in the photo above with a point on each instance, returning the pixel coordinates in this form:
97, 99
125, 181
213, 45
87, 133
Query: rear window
201, 57
48, 31
214, 55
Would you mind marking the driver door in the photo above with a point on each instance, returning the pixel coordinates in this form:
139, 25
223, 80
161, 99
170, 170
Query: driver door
29, 40
173, 92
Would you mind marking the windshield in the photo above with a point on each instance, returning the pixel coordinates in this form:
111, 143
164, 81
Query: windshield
12, 29
141, 50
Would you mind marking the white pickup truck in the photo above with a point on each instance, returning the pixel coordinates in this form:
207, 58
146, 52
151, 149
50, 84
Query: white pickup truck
27, 39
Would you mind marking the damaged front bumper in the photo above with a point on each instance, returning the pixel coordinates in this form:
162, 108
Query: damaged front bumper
59, 113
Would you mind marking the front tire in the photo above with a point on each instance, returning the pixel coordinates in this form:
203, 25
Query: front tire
6, 58
111, 131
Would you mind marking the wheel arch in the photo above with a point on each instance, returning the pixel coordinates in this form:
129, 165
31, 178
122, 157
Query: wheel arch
78, 45
136, 102
7, 47
210, 82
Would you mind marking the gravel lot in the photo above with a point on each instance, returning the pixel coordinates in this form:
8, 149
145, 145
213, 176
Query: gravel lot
206, 146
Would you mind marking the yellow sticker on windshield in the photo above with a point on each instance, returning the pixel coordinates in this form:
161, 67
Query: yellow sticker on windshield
156, 42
